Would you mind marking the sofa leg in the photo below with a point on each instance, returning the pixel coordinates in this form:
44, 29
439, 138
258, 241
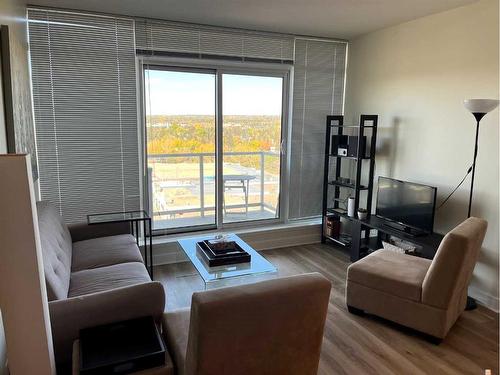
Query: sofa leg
434, 340
355, 310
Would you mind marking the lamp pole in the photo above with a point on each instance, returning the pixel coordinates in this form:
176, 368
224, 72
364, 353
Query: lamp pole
478, 117
478, 108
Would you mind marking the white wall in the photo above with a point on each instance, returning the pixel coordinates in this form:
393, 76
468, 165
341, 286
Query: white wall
13, 14
415, 76
26, 319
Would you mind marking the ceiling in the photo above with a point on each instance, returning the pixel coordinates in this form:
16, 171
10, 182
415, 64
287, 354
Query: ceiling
343, 19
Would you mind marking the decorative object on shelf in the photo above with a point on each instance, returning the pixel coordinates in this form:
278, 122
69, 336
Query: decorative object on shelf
339, 145
351, 209
362, 214
478, 108
342, 151
333, 227
353, 141
345, 180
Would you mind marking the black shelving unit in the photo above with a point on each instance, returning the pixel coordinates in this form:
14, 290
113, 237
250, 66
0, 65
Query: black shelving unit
333, 182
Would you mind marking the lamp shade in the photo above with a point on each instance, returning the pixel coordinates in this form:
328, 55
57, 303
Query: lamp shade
480, 105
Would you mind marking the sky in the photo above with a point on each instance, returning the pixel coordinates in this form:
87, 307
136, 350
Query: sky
187, 93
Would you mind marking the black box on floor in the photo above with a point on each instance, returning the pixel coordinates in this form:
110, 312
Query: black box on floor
121, 348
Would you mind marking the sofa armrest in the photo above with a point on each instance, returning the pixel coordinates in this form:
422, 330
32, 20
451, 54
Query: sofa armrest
84, 231
69, 316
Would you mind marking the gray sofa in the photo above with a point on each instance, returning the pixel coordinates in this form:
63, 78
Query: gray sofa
94, 275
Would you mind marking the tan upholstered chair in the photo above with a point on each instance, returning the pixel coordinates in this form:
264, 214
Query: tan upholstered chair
418, 293
271, 327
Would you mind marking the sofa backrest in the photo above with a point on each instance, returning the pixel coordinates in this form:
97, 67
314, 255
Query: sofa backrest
56, 250
271, 327
451, 269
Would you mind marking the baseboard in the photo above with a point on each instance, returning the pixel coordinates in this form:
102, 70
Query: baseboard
485, 299
168, 251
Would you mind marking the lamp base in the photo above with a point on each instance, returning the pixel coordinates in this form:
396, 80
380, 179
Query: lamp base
471, 304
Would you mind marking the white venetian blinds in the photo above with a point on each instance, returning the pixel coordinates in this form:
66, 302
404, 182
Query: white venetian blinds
318, 91
84, 94
182, 39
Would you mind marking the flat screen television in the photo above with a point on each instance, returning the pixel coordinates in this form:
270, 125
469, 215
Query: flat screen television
406, 203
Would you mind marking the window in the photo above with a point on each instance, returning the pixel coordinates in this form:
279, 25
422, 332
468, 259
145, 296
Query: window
85, 108
214, 107
193, 183
318, 91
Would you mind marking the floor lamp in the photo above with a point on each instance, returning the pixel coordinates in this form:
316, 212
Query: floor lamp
478, 108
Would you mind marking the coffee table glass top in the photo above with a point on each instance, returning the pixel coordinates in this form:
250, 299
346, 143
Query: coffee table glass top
113, 217
257, 265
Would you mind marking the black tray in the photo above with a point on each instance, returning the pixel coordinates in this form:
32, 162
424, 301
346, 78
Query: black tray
212, 259
121, 348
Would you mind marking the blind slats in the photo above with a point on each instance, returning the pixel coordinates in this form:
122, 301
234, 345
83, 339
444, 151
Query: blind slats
84, 89
83, 71
164, 36
318, 91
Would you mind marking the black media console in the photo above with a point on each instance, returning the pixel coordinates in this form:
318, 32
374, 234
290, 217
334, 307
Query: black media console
406, 230
362, 242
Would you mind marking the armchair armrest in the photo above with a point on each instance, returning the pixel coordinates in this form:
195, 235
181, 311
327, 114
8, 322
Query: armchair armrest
84, 231
69, 316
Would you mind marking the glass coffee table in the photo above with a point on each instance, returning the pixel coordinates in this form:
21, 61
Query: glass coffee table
257, 269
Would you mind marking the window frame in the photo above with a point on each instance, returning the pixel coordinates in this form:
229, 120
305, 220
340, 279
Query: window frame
284, 71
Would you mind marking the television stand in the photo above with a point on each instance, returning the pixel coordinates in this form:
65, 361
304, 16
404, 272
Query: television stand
407, 230
361, 238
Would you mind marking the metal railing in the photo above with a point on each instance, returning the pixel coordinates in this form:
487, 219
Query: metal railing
201, 157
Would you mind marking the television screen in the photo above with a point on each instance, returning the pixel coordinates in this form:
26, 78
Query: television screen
406, 203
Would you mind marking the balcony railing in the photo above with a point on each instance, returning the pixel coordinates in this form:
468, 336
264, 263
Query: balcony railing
201, 179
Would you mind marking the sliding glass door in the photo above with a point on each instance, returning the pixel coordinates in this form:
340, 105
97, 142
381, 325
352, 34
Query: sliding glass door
252, 113
193, 184
180, 136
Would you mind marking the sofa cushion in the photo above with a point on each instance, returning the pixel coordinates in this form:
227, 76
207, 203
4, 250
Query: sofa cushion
397, 274
56, 245
104, 251
107, 278
176, 332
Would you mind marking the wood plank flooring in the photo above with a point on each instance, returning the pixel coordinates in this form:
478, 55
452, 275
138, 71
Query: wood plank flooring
364, 345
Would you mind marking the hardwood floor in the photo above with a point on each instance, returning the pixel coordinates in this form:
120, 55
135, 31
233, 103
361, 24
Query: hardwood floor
364, 344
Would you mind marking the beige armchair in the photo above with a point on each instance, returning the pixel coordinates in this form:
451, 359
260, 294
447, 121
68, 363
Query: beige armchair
272, 327
425, 295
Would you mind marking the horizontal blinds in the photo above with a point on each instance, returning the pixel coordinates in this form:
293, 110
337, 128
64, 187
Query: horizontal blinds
318, 91
205, 41
84, 93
